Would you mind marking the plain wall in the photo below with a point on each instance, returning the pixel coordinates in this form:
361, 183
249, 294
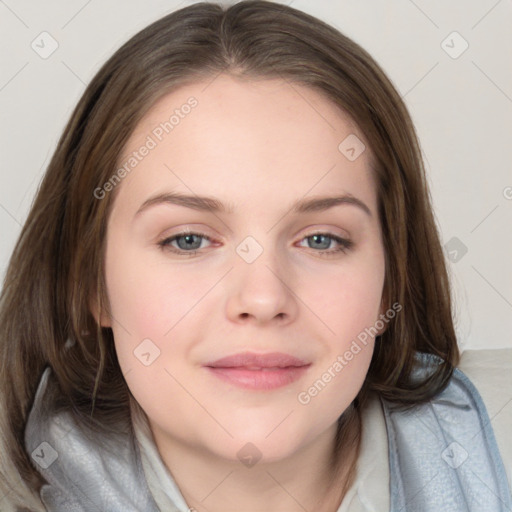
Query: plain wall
461, 104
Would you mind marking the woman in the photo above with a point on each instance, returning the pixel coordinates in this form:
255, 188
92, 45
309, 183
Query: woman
248, 367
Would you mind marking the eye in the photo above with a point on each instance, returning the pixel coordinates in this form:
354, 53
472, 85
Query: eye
188, 242
323, 241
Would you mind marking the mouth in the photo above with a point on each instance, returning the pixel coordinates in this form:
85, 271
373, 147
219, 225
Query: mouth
258, 371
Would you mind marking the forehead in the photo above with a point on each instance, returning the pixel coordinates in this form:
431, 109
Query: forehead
228, 137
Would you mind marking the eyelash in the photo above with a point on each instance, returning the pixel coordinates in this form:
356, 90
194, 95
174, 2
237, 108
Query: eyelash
344, 244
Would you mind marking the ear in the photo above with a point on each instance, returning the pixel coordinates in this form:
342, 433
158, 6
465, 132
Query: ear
98, 312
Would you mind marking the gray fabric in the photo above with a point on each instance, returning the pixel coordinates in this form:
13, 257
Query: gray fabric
85, 477
162, 485
442, 456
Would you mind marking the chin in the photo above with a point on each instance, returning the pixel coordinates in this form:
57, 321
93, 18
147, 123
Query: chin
256, 452
270, 441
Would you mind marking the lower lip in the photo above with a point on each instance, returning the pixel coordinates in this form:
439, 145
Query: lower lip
259, 379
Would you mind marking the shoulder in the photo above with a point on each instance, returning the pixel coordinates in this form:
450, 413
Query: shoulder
460, 437
491, 373
85, 468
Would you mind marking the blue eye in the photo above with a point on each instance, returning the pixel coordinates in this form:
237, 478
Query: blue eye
185, 241
321, 238
189, 243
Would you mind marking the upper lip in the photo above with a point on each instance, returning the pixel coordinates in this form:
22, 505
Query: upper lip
255, 361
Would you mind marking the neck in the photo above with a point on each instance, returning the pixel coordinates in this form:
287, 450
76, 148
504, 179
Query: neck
316, 477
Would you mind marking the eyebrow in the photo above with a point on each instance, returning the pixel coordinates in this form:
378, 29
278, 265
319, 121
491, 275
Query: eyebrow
211, 204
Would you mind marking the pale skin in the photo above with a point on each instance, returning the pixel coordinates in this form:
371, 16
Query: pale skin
256, 146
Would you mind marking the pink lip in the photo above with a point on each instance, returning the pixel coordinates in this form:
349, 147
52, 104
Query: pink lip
259, 371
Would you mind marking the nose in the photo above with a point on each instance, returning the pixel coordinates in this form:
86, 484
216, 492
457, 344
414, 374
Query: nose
262, 291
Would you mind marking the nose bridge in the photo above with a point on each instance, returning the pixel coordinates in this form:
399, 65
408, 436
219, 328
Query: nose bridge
260, 285
260, 262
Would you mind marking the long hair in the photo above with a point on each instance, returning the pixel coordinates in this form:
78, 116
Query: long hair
56, 269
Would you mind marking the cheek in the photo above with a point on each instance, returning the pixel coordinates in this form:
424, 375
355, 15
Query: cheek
145, 304
349, 309
348, 304
348, 300
147, 299
335, 386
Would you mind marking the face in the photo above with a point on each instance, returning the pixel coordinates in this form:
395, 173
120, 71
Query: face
287, 290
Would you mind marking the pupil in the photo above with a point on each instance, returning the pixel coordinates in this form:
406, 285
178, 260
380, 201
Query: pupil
189, 239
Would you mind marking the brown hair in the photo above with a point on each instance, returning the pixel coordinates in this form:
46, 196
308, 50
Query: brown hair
57, 265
